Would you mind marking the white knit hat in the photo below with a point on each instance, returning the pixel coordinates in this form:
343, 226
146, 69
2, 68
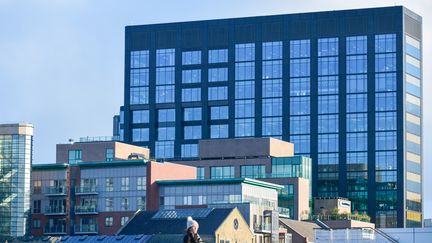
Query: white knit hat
190, 222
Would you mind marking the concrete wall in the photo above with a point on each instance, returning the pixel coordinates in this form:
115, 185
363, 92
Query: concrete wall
96, 151
242, 147
164, 171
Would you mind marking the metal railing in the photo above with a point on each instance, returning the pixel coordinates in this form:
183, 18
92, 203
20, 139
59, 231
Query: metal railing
340, 217
92, 189
284, 212
55, 229
90, 209
86, 229
99, 139
263, 227
55, 210
55, 190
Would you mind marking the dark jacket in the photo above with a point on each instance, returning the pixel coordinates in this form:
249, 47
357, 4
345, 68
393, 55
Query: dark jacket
191, 238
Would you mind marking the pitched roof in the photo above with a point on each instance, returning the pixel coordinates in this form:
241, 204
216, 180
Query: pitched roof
305, 229
150, 223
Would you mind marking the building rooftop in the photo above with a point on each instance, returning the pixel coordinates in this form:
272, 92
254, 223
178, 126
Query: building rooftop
101, 164
144, 222
221, 181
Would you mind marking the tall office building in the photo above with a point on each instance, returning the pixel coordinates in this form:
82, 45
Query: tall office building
16, 141
343, 86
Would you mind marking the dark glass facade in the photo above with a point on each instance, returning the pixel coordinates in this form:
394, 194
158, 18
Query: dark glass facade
343, 86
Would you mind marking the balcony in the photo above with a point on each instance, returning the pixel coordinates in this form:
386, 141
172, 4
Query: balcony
89, 209
264, 228
86, 190
284, 212
55, 191
59, 210
55, 230
86, 229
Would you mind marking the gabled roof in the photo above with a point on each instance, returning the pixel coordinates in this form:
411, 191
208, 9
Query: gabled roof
145, 223
305, 229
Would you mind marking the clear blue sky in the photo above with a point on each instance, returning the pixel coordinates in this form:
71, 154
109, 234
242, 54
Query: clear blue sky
61, 62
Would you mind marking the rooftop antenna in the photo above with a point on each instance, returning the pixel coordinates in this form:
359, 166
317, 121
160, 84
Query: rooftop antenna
70, 140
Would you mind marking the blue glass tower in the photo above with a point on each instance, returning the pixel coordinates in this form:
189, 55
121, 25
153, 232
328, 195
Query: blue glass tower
343, 86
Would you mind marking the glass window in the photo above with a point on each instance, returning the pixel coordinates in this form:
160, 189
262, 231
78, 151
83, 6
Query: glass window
191, 94
165, 57
357, 103
139, 95
328, 162
385, 101
356, 141
244, 108
244, 52
166, 115
356, 64
252, 171
191, 76
219, 131
272, 50
328, 123
356, 122
123, 220
328, 66
191, 57
272, 88
356, 83
221, 172
75, 156
299, 48
385, 43
219, 112
328, 85
299, 67
140, 116
109, 184
328, 104
124, 184
385, 62
218, 56
385, 121
244, 127
192, 114
299, 125
244, 89
141, 183
109, 204
272, 107
189, 150
139, 59
299, 86
357, 161
166, 133
328, 143
139, 77
328, 47
272, 69
165, 76
165, 94
109, 221
245, 71
200, 173
272, 126
217, 74
385, 141
140, 134
192, 132
385, 82
356, 45
299, 105
218, 93
301, 143
385, 160
141, 203
164, 149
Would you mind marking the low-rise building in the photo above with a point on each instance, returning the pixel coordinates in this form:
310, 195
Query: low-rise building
265, 159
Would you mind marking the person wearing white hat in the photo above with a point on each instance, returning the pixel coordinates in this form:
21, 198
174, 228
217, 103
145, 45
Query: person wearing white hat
191, 231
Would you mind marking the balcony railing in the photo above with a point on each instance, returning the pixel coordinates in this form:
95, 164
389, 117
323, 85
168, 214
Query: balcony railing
284, 212
55, 210
262, 228
55, 191
55, 230
90, 209
82, 190
99, 139
358, 217
86, 229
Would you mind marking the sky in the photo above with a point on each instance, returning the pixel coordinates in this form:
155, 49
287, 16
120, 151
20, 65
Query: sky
62, 62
